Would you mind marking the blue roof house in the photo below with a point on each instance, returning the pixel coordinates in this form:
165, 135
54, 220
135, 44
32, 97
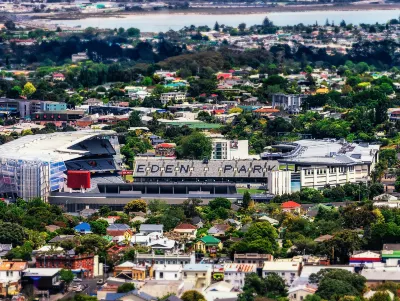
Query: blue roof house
83, 228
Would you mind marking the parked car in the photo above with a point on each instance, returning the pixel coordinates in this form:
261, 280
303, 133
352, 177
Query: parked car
77, 280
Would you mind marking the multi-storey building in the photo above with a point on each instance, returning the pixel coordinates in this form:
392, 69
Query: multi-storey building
173, 97
85, 264
289, 102
223, 149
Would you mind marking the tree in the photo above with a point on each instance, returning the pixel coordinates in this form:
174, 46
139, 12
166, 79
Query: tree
67, 276
126, 287
261, 238
275, 286
338, 283
133, 32
105, 211
189, 207
246, 199
220, 203
380, 296
134, 119
242, 27
28, 90
11, 233
99, 226
136, 206
10, 25
192, 295
216, 26
195, 146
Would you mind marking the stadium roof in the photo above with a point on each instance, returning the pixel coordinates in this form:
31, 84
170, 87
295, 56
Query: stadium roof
48, 147
330, 152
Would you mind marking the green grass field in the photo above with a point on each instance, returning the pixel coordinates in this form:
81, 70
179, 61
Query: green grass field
251, 190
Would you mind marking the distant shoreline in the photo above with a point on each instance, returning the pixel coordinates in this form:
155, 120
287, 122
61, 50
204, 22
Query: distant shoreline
214, 11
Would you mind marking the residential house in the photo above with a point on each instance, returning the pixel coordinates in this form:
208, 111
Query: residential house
254, 258
4, 249
234, 223
134, 295
52, 228
265, 112
186, 231
198, 276
220, 291
323, 238
391, 254
300, 292
367, 258
288, 270
78, 57
132, 270
150, 228
163, 244
378, 275
218, 230
198, 222
87, 212
208, 244
290, 206
58, 239
83, 228
161, 288
10, 276
166, 258
58, 77
235, 273
118, 229
272, 221
167, 272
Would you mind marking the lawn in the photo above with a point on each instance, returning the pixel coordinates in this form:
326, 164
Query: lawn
251, 190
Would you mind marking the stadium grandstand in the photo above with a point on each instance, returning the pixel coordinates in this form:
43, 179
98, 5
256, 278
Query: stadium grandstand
36, 165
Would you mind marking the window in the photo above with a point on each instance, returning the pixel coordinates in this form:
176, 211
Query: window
283, 274
204, 274
185, 274
294, 296
161, 275
176, 275
301, 298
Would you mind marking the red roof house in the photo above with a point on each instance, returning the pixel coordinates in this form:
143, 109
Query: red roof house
290, 206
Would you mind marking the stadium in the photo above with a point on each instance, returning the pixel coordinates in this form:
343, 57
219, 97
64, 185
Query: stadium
37, 165
83, 169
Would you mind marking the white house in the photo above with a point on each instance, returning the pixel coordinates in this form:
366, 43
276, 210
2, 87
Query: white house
150, 228
288, 270
172, 96
10, 276
299, 293
167, 271
234, 273
197, 275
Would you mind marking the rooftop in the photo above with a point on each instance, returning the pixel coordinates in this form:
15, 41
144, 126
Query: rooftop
48, 147
197, 267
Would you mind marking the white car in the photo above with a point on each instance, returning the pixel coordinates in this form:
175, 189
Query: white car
78, 289
77, 280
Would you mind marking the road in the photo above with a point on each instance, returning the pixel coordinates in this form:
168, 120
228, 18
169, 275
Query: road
90, 288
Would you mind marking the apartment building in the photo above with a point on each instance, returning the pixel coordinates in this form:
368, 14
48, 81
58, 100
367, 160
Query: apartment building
172, 97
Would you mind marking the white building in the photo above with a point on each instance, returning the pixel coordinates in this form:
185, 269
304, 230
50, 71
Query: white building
223, 149
234, 273
289, 102
288, 270
167, 272
317, 163
197, 275
80, 56
10, 276
173, 97
299, 293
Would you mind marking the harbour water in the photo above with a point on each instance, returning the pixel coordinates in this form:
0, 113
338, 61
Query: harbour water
165, 21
